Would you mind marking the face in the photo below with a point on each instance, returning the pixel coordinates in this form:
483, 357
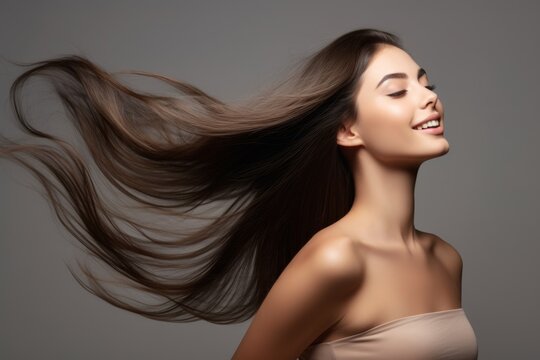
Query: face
388, 110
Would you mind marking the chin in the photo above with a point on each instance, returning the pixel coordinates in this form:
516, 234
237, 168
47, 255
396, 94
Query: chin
442, 148
446, 148
439, 153
435, 153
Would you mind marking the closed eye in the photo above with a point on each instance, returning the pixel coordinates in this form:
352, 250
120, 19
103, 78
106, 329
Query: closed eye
399, 93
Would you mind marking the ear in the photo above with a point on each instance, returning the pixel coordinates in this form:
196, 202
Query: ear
348, 134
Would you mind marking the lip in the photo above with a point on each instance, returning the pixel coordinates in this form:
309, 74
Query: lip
434, 116
435, 131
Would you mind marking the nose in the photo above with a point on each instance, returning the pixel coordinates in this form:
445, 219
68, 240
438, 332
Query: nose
431, 97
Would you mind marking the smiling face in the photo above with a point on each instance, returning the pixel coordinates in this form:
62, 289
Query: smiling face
388, 107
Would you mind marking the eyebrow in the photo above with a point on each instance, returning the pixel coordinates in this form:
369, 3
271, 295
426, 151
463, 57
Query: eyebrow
421, 72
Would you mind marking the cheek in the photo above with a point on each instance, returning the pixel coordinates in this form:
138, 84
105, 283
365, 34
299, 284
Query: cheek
387, 120
395, 111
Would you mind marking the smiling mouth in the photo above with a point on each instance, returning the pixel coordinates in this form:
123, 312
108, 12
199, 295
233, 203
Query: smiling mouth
432, 124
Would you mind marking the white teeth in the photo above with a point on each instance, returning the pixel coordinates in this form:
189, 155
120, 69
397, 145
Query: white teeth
431, 123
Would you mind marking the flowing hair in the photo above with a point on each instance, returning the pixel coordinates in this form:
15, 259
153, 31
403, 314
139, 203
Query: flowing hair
272, 163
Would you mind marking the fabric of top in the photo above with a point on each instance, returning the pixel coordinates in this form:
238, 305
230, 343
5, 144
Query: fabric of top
439, 335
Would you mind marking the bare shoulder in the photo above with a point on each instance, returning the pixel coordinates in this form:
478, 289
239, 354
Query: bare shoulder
334, 256
448, 255
308, 297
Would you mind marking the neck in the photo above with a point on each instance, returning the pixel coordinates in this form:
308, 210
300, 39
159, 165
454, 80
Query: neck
383, 208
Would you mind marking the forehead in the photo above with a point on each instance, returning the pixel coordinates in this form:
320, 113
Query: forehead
388, 59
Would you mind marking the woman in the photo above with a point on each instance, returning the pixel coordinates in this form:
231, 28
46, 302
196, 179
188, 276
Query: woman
317, 240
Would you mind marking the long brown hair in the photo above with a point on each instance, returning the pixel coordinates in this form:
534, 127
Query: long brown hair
272, 160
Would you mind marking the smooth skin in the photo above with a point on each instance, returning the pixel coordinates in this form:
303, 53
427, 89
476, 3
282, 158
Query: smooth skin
373, 265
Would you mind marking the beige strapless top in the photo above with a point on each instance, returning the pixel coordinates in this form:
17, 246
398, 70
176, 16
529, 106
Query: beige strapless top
438, 335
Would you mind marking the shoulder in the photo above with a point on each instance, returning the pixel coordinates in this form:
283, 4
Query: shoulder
333, 257
447, 254
308, 297
328, 263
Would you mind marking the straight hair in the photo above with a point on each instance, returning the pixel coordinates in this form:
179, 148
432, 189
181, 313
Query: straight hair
273, 160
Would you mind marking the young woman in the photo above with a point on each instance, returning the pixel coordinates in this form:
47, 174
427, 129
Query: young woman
316, 241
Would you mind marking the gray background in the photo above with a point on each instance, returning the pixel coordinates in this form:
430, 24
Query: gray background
482, 196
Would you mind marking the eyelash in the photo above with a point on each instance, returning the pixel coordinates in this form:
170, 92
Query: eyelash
399, 93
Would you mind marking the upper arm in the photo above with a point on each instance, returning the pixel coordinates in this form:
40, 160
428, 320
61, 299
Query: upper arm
306, 299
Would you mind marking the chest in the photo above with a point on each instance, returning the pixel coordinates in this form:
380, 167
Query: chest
404, 283
394, 287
